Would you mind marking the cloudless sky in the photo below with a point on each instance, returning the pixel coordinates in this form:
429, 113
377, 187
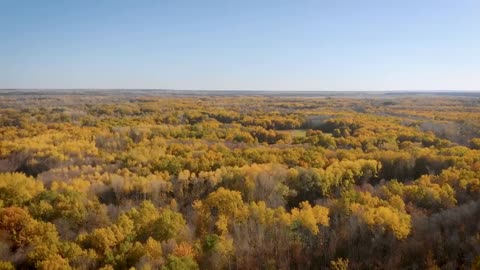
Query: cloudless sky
241, 44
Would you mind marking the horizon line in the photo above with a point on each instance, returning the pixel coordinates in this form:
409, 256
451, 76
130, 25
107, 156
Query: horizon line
236, 90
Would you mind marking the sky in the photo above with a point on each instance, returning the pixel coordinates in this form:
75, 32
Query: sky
241, 44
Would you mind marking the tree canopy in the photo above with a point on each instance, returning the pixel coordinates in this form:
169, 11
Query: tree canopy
136, 181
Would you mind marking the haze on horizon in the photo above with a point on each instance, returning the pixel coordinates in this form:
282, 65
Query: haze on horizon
248, 45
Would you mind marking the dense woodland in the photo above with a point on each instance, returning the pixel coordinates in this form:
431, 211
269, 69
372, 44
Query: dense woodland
239, 182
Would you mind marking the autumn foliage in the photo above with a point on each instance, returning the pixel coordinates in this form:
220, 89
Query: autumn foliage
224, 182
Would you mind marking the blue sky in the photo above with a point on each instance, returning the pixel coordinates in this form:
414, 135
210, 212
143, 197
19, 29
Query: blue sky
241, 44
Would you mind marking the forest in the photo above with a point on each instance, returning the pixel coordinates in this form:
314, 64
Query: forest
172, 182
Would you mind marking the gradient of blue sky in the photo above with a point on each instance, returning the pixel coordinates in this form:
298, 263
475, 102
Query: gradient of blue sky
241, 44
